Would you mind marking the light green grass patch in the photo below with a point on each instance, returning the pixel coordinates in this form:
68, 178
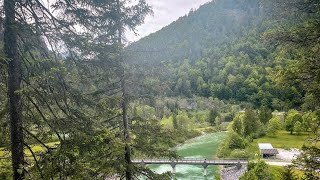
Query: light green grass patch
285, 140
35, 148
39, 148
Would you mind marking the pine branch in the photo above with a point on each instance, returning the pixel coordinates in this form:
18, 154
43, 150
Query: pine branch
43, 117
37, 139
35, 159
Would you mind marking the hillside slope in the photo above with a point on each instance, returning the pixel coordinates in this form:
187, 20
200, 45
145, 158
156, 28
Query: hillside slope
214, 51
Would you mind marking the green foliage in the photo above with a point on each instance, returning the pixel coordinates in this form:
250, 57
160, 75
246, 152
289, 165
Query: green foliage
250, 122
310, 103
309, 161
237, 124
67, 96
233, 145
235, 141
212, 117
274, 125
222, 57
295, 33
184, 122
70, 87
239, 153
6, 171
288, 173
145, 112
265, 114
228, 117
298, 127
249, 175
259, 170
293, 116
151, 140
175, 121
313, 121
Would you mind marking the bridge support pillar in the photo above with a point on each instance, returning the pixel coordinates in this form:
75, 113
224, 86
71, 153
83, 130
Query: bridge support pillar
239, 165
173, 165
205, 165
205, 172
143, 164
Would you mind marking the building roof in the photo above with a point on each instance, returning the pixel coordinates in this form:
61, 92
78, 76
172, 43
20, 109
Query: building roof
269, 151
265, 146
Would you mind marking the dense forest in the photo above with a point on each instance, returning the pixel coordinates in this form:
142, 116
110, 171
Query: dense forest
76, 102
221, 51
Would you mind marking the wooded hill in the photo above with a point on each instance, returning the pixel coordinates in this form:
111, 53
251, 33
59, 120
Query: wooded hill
216, 51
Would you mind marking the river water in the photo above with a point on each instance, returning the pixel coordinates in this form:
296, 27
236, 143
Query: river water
203, 147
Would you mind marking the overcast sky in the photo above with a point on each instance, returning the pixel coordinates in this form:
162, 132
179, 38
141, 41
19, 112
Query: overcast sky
165, 12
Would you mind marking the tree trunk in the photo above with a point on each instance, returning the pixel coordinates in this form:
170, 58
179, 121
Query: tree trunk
127, 151
126, 131
14, 81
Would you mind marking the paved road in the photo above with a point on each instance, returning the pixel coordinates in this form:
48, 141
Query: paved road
277, 163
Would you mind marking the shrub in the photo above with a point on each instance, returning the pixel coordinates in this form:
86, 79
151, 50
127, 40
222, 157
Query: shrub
239, 153
235, 141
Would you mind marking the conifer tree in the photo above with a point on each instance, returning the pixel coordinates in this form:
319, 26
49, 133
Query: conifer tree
64, 73
250, 122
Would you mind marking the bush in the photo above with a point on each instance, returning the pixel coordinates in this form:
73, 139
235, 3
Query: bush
239, 153
274, 125
259, 170
235, 141
223, 151
261, 131
249, 175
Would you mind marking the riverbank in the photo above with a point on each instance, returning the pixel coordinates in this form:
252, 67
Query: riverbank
232, 173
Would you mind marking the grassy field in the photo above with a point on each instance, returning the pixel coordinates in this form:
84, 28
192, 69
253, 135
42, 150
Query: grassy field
5, 161
285, 140
282, 139
37, 148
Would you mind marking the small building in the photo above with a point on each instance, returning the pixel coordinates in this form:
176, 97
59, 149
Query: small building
267, 151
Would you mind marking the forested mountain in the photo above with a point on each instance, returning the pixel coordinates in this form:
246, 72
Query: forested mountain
215, 51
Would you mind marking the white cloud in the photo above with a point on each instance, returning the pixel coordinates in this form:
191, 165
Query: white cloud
165, 12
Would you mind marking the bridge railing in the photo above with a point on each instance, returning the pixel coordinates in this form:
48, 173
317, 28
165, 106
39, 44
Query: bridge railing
191, 160
196, 159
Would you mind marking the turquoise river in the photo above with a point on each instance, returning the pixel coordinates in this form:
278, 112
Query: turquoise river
202, 147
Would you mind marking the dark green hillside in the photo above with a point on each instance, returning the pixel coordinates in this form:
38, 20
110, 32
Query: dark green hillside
212, 24
215, 51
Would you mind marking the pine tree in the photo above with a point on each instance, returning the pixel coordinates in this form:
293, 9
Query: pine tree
288, 173
175, 121
212, 116
265, 114
68, 92
14, 85
250, 122
237, 124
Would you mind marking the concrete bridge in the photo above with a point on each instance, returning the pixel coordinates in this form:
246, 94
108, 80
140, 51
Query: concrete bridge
203, 162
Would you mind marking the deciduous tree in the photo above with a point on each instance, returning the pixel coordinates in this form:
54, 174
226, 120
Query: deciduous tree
274, 125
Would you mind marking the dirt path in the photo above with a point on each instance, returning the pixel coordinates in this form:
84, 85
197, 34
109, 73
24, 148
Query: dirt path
277, 163
284, 158
288, 155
